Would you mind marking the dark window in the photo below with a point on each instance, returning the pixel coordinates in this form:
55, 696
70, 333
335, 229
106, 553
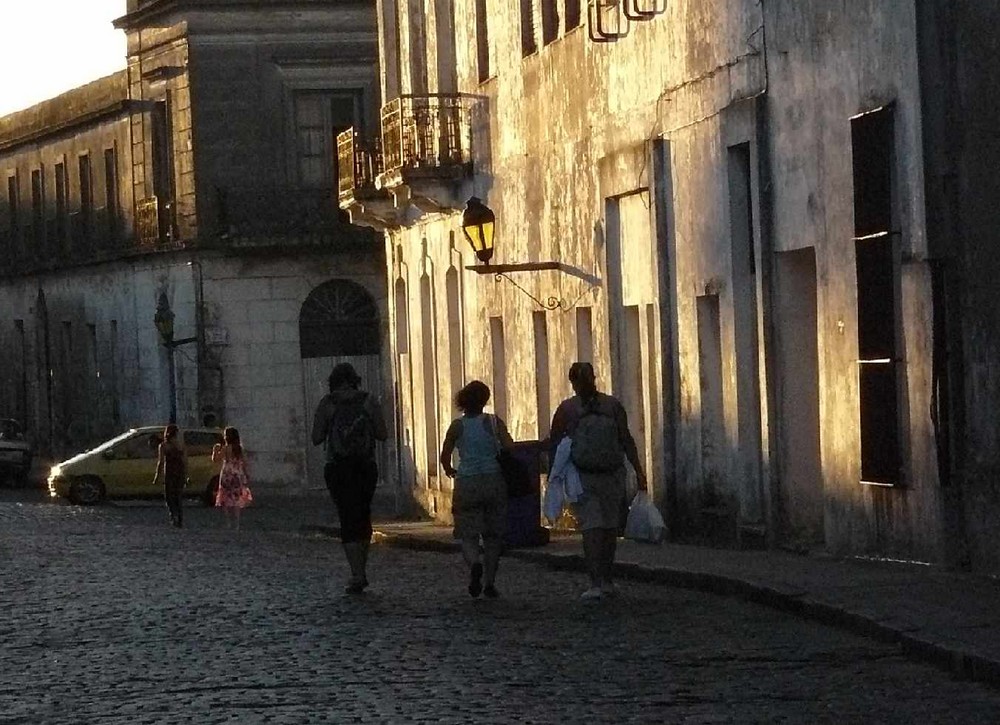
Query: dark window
339, 318
13, 207
111, 183
573, 15
319, 117
86, 187
402, 318
163, 154
528, 43
741, 208
482, 41
62, 192
81, 231
37, 212
550, 21
872, 139
872, 152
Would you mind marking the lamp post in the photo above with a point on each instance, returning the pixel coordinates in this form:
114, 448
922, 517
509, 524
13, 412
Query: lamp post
478, 222
164, 321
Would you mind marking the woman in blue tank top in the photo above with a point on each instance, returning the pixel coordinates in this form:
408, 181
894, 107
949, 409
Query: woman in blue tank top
479, 502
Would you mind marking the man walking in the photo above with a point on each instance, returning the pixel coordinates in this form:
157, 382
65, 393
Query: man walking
597, 425
349, 421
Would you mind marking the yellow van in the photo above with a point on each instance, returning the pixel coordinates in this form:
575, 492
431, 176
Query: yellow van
124, 466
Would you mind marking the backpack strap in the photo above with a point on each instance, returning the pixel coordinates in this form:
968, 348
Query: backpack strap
492, 428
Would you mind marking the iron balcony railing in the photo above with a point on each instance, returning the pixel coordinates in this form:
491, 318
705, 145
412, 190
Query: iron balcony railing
282, 215
357, 164
427, 132
148, 231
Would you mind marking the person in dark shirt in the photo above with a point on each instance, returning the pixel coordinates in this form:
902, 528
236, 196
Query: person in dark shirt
599, 509
349, 421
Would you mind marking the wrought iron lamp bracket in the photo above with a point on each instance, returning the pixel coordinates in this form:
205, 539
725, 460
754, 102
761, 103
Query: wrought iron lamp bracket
636, 10
551, 302
596, 30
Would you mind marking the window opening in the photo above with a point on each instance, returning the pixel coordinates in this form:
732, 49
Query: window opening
528, 43
62, 191
573, 15
38, 212
550, 21
482, 41
872, 136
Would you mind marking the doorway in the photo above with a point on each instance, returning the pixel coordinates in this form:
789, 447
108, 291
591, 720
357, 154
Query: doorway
800, 501
338, 322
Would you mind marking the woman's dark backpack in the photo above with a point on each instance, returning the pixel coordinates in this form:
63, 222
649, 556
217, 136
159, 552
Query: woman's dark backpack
351, 433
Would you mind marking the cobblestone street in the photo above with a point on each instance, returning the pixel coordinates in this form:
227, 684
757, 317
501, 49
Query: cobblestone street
109, 616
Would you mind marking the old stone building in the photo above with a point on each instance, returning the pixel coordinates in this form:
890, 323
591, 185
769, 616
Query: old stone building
195, 186
767, 223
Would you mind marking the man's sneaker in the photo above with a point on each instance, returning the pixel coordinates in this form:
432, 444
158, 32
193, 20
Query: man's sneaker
609, 589
490, 592
592, 593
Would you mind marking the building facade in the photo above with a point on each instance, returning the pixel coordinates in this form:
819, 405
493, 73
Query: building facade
737, 211
189, 200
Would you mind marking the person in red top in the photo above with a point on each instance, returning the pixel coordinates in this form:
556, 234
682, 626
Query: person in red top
599, 509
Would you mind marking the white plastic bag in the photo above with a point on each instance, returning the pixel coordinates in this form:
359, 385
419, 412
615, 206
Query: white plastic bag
555, 499
644, 521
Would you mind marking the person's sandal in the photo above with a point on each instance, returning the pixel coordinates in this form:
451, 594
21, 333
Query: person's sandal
476, 580
355, 586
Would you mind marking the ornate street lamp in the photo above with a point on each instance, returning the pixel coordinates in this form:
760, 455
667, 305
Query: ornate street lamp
478, 222
164, 320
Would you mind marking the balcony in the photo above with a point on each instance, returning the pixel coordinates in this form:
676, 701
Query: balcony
283, 216
358, 165
154, 227
427, 151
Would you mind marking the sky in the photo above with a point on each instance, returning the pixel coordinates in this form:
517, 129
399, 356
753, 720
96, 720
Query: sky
51, 46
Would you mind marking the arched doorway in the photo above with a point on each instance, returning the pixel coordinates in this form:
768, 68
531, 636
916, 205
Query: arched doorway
338, 322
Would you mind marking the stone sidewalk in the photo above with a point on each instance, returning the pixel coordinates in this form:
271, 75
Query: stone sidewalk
946, 618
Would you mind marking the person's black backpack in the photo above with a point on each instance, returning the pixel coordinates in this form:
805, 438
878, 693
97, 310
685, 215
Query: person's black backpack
351, 433
596, 447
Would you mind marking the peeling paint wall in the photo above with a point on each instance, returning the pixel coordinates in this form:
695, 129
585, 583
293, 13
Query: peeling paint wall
709, 186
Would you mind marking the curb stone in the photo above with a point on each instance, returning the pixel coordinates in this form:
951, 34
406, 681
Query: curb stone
960, 663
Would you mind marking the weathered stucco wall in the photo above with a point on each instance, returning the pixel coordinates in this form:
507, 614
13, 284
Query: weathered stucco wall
826, 66
252, 311
94, 331
626, 160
